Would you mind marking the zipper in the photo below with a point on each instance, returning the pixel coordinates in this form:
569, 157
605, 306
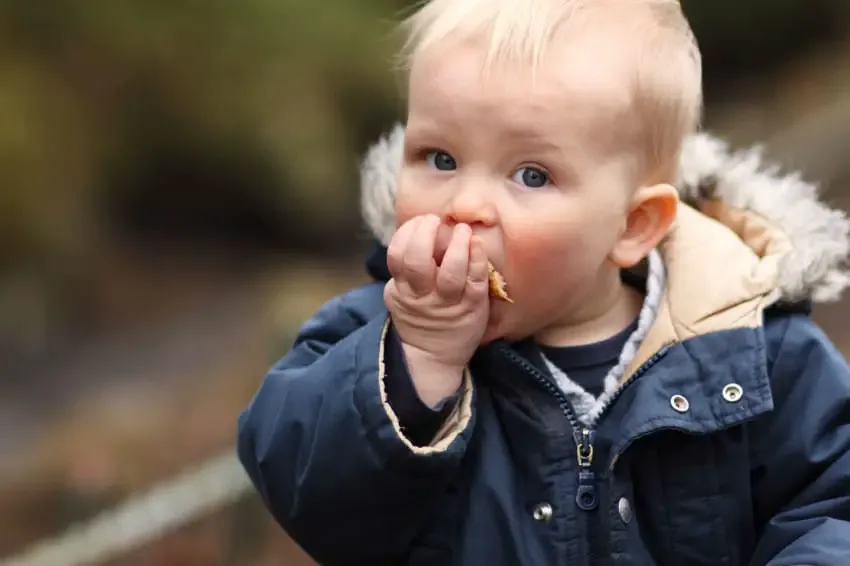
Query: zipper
586, 493
656, 357
586, 497
550, 387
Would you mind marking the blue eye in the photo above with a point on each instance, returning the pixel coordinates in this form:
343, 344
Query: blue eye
441, 161
531, 177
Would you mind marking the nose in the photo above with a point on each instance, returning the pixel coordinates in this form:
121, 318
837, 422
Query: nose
472, 203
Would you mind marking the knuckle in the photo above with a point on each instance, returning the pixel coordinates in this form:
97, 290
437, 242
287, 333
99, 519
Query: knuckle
478, 287
416, 267
390, 289
452, 282
394, 259
390, 294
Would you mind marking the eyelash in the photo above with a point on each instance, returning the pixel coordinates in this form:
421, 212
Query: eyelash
542, 170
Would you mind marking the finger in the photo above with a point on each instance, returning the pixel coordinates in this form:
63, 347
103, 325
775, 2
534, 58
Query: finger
477, 275
398, 245
445, 233
451, 277
419, 267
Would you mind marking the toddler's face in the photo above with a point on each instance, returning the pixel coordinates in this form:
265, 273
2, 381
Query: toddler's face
542, 166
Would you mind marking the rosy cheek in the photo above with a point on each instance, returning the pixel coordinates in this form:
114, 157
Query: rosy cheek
526, 264
407, 208
531, 249
538, 256
411, 200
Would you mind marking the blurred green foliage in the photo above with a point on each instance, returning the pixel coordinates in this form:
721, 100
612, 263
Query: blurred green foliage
268, 101
91, 90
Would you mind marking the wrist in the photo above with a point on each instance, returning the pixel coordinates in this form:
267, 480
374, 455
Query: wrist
434, 379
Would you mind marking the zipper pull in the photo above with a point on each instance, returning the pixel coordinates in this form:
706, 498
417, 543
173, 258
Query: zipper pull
586, 493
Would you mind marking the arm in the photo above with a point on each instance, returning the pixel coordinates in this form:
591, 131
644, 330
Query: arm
803, 459
326, 452
419, 422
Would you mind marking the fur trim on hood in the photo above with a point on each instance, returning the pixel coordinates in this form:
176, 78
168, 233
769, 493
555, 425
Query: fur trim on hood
709, 175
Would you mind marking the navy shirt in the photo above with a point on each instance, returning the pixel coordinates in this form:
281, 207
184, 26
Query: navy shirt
588, 364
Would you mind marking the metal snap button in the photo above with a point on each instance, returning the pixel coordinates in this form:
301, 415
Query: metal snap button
625, 510
542, 512
679, 403
733, 392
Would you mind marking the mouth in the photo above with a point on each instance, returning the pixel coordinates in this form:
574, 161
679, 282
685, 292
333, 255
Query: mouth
498, 285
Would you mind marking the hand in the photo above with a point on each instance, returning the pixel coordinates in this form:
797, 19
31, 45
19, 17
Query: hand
439, 302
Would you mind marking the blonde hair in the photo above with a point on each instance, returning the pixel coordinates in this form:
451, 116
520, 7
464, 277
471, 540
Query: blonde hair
667, 81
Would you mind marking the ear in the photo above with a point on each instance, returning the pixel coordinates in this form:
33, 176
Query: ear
651, 214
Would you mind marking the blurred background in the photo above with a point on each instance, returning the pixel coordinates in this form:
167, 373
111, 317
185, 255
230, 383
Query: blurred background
178, 192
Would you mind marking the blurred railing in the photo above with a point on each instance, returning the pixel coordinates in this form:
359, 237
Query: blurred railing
176, 502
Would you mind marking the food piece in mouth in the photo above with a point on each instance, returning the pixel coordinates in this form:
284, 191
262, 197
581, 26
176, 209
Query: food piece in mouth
498, 287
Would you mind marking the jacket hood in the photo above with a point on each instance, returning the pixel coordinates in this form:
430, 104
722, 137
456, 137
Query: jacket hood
771, 213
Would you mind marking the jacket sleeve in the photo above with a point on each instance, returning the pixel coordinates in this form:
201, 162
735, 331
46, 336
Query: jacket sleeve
326, 452
419, 422
802, 459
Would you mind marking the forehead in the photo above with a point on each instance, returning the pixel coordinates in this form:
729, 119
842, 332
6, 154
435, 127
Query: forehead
582, 85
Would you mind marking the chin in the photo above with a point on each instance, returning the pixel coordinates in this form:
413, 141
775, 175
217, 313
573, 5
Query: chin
503, 332
494, 331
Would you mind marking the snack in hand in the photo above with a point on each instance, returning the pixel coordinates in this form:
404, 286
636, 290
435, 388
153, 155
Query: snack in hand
498, 287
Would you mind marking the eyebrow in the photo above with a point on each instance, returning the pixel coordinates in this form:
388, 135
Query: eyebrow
427, 129
541, 143
528, 139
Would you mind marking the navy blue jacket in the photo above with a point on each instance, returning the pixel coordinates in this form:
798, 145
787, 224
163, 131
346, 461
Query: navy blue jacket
727, 443
759, 478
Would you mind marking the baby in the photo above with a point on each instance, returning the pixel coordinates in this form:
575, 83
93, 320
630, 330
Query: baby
654, 391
